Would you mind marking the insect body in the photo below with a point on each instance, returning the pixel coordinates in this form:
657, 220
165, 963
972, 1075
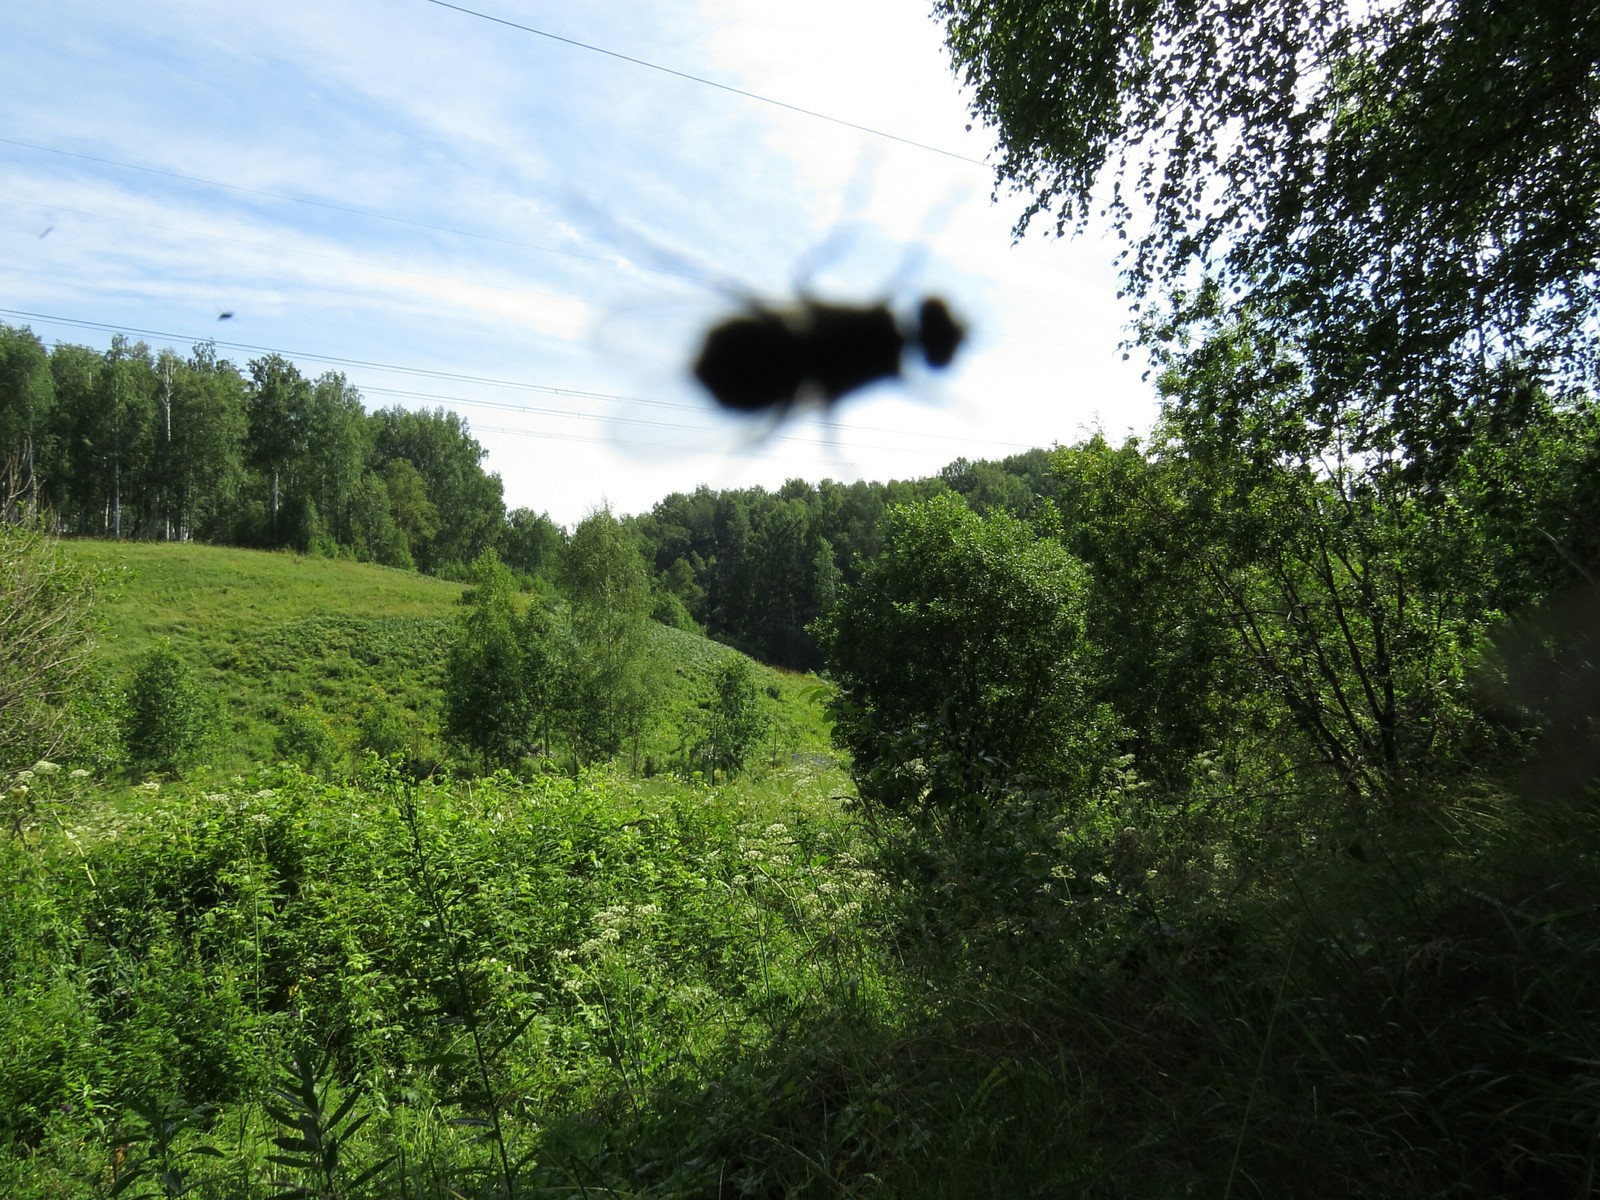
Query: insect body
769, 360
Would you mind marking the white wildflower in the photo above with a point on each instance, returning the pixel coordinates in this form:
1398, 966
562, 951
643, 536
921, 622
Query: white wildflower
606, 937
45, 767
78, 773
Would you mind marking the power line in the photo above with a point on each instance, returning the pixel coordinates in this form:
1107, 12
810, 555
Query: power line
281, 249
711, 83
512, 384
321, 358
642, 422
378, 266
592, 440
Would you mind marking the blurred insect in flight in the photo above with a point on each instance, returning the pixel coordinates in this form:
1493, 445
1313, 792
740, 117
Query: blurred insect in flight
770, 360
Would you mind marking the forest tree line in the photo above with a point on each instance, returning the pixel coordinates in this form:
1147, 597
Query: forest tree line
135, 443
755, 568
132, 443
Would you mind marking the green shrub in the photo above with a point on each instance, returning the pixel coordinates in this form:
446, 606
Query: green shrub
46, 605
383, 729
170, 718
730, 723
304, 739
668, 610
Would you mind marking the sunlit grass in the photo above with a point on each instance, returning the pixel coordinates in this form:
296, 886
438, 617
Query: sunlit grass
275, 634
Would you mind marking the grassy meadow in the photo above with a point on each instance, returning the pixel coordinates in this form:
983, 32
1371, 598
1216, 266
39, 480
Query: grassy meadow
278, 635
269, 634
261, 982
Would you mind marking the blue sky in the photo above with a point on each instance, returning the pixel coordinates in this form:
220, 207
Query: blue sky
453, 211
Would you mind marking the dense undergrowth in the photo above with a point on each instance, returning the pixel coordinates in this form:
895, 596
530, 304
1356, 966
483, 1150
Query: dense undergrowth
1236, 977
613, 987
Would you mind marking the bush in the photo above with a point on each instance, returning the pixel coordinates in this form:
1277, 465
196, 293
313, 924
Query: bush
304, 740
169, 718
963, 666
46, 606
730, 722
666, 609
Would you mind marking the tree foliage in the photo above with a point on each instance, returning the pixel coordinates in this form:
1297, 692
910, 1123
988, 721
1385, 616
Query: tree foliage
27, 394
961, 663
468, 508
1166, 659
731, 721
170, 718
488, 702
1409, 193
612, 674
159, 446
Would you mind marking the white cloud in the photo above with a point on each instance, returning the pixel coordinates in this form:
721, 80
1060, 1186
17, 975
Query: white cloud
454, 123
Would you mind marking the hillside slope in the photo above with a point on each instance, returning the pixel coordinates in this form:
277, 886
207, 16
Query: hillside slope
278, 635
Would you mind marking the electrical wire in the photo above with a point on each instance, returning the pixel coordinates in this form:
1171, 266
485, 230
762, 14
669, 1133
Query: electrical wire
641, 422
710, 83
281, 249
612, 419
411, 271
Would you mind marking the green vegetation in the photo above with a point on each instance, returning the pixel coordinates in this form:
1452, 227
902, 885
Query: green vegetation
168, 720
132, 444
46, 602
589, 984
732, 721
491, 684
1401, 199
756, 569
275, 636
1224, 814
445, 961
961, 667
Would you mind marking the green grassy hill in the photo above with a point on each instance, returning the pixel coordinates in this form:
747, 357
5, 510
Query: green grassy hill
275, 634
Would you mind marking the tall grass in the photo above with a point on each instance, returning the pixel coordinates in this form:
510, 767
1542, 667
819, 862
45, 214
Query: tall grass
613, 987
